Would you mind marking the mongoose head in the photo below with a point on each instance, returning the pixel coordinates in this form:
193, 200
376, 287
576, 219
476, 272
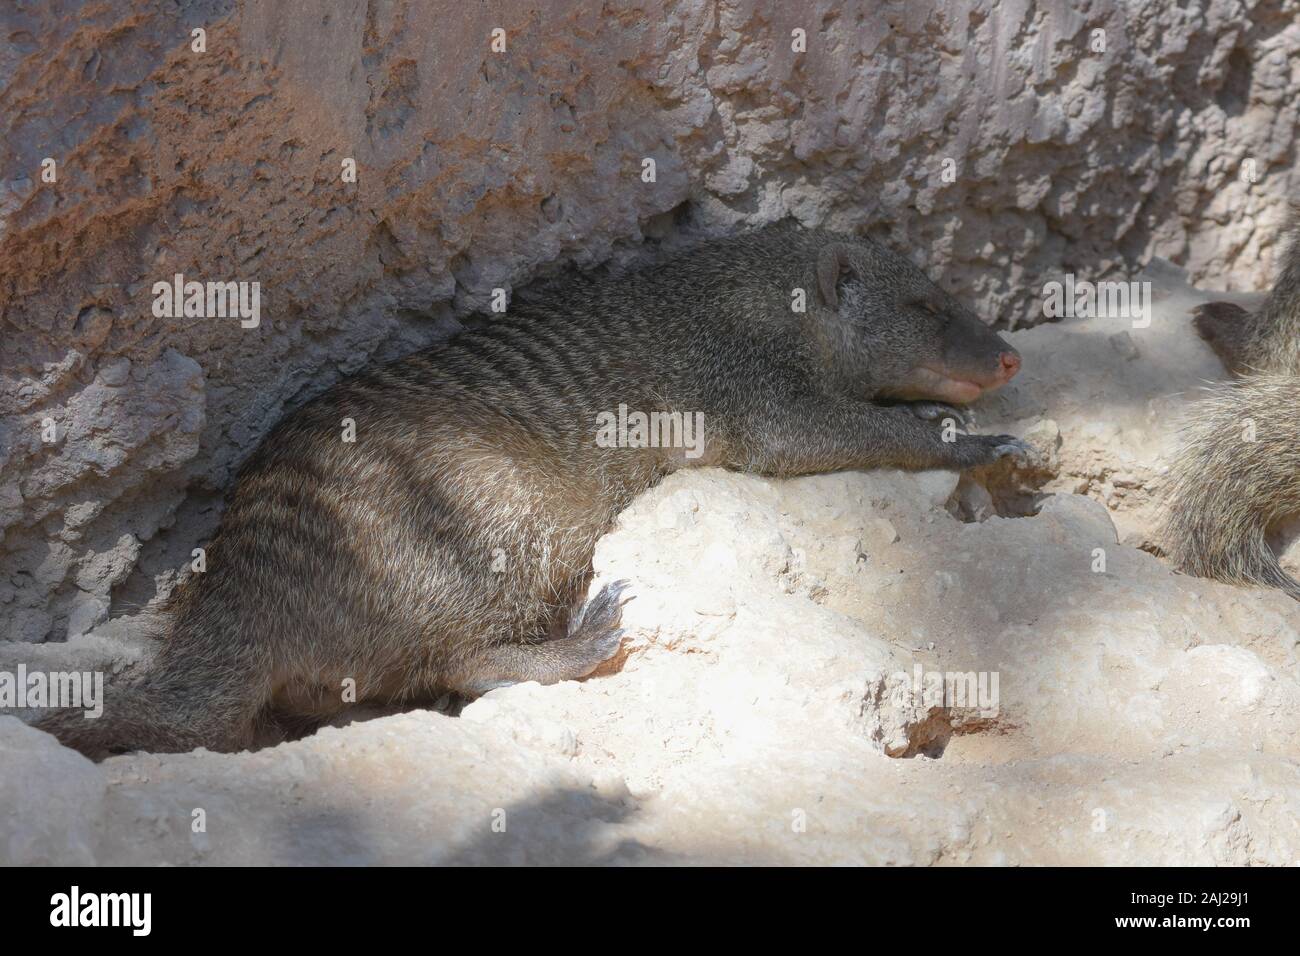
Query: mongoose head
898, 335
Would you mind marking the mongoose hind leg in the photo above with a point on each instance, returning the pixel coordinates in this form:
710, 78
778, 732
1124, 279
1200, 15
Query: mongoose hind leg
594, 637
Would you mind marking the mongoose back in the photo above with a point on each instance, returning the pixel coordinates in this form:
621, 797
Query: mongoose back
447, 547
1238, 472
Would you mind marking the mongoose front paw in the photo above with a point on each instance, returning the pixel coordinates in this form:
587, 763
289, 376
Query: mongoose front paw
976, 450
1011, 445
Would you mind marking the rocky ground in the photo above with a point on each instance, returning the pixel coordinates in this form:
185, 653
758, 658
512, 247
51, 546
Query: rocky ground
765, 708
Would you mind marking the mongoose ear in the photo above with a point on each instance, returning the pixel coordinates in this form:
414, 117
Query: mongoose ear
831, 261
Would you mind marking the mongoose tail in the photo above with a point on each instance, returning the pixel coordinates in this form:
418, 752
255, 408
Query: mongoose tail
176, 706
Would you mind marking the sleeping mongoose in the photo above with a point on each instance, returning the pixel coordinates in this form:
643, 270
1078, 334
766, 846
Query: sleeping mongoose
448, 546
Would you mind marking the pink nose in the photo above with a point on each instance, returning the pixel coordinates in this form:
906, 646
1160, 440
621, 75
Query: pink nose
1010, 365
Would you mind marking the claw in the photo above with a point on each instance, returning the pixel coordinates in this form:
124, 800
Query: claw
934, 411
609, 644
1010, 445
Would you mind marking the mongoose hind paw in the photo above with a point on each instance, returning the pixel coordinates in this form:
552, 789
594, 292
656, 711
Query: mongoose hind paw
598, 623
607, 645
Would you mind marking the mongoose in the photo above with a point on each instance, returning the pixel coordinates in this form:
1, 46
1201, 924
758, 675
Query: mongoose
444, 548
1238, 472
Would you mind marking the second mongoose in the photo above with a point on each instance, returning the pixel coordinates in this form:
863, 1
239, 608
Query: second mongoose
1238, 472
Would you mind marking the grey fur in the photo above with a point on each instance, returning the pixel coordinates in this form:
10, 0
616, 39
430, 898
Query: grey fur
1225, 491
374, 560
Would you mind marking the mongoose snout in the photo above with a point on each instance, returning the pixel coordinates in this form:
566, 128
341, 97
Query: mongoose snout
1010, 365
958, 358
944, 385
446, 545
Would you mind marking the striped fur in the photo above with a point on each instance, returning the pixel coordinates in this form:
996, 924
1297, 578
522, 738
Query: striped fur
446, 547
1238, 471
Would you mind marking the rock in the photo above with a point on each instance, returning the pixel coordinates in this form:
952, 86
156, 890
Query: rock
974, 502
53, 801
477, 170
880, 531
1124, 345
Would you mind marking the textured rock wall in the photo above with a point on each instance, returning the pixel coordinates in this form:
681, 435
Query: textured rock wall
478, 169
